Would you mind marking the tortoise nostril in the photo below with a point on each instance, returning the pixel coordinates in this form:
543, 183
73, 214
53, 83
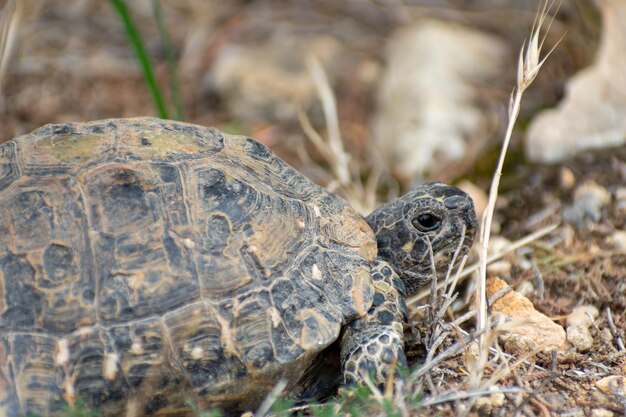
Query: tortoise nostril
455, 202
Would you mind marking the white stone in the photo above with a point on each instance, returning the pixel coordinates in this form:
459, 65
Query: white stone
612, 385
426, 112
580, 338
268, 80
578, 323
601, 412
583, 316
617, 240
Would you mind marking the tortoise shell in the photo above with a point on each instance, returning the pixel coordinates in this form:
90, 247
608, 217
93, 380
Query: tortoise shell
145, 263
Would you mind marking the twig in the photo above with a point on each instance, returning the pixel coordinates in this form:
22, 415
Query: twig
616, 334
337, 152
457, 276
449, 352
345, 172
271, 398
373, 388
541, 387
540, 284
471, 269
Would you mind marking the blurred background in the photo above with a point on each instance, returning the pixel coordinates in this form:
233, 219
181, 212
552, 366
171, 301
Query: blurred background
421, 86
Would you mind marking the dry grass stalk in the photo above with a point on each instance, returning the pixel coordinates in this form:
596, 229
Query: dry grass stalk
271, 398
346, 175
9, 23
463, 272
529, 64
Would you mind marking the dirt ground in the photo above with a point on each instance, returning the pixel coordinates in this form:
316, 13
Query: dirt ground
71, 62
581, 266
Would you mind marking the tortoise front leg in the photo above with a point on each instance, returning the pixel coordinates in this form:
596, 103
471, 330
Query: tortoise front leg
373, 344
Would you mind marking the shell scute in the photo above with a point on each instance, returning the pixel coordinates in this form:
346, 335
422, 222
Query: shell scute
9, 168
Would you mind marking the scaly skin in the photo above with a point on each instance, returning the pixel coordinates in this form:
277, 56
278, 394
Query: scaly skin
374, 343
433, 217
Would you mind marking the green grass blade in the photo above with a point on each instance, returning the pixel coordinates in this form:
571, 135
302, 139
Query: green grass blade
168, 50
142, 56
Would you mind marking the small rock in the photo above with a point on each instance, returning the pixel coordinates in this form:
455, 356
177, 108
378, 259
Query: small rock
526, 328
591, 188
483, 406
617, 240
525, 289
486, 405
607, 338
520, 344
582, 316
497, 244
580, 338
497, 398
501, 268
589, 200
578, 323
268, 80
612, 385
557, 399
601, 412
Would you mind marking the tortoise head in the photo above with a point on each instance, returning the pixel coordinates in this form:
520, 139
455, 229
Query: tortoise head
434, 214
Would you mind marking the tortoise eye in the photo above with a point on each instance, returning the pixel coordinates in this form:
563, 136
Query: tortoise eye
426, 222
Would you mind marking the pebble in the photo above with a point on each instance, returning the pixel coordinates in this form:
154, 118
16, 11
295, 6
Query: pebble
500, 268
578, 324
582, 316
486, 405
526, 288
497, 244
580, 338
525, 328
612, 385
601, 412
617, 240
589, 200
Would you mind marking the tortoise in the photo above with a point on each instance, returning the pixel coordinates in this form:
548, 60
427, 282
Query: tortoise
147, 263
